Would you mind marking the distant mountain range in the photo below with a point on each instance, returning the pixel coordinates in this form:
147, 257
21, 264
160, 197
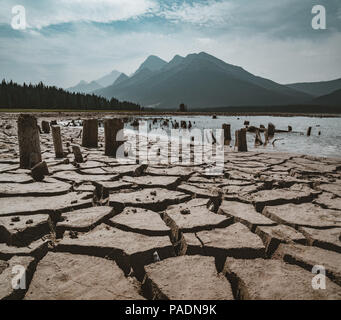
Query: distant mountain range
332, 99
317, 89
108, 79
85, 87
90, 87
200, 81
203, 81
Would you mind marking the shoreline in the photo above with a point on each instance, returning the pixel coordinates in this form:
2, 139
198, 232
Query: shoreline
89, 114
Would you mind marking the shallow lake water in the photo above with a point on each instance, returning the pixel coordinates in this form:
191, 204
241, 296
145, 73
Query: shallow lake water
327, 144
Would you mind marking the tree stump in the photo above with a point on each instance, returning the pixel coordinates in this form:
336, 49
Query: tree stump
236, 139
78, 154
258, 139
111, 129
29, 142
90, 133
57, 142
45, 127
266, 137
242, 142
271, 130
39, 171
227, 134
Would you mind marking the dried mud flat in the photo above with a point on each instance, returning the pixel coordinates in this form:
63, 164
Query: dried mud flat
97, 230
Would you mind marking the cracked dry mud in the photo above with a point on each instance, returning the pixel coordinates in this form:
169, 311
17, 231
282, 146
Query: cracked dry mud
101, 230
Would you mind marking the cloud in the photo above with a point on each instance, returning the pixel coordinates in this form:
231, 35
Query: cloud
202, 13
50, 12
73, 40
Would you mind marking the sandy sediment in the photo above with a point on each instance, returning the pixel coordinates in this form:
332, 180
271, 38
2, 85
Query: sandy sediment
101, 230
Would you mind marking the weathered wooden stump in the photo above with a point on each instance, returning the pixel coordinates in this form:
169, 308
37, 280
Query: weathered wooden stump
227, 134
90, 133
309, 131
266, 137
258, 139
57, 142
111, 129
271, 130
45, 127
39, 171
236, 139
78, 154
242, 142
29, 142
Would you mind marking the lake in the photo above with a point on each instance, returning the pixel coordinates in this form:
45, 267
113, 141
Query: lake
328, 144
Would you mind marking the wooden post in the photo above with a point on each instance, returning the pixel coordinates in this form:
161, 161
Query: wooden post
111, 128
271, 130
90, 133
242, 142
45, 126
29, 142
78, 154
258, 139
309, 131
57, 142
227, 134
236, 139
266, 137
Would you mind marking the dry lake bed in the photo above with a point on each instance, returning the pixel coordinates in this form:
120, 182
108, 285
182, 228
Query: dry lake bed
98, 229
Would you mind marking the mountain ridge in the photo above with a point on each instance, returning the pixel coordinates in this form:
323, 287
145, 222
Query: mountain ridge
89, 87
200, 80
331, 99
318, 88
85, 87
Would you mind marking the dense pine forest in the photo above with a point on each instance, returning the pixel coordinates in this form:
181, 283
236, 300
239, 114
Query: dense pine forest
15, 96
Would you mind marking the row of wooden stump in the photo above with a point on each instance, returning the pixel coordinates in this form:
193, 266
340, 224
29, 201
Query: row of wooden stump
29, 139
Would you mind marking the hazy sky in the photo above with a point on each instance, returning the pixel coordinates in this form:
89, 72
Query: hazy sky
71, 40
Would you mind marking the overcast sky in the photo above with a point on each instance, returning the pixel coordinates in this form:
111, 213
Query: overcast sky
71, 40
